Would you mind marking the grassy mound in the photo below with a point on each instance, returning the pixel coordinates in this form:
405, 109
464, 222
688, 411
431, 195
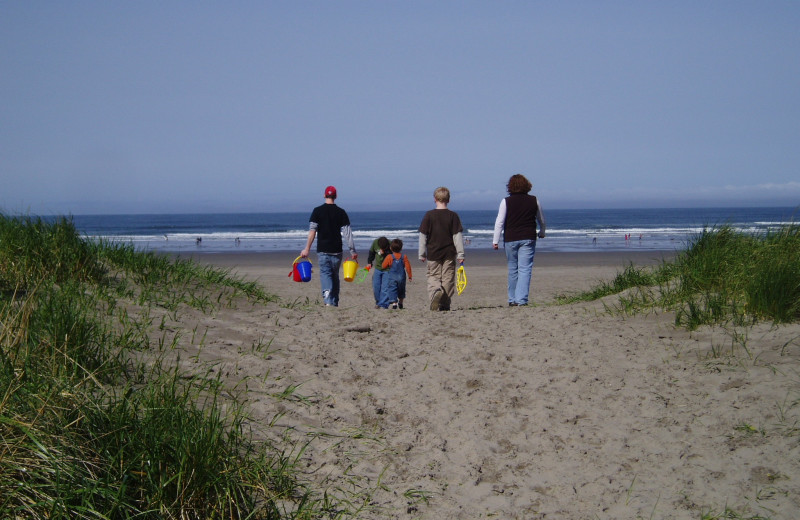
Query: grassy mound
90, 432
724, 276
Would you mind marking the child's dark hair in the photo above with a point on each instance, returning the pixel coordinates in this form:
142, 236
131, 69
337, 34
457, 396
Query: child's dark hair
396, 245
383, 243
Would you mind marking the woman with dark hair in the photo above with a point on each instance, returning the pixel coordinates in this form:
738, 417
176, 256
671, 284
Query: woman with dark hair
516, 221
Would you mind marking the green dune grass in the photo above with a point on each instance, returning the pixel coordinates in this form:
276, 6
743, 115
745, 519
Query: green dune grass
86, 430
724, 276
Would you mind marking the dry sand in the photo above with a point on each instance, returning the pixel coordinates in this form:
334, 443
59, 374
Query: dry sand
488, 411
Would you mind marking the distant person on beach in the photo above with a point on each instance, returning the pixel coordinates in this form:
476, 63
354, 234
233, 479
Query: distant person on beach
396, 265
377, 252
330, 225
516, 221
441, 244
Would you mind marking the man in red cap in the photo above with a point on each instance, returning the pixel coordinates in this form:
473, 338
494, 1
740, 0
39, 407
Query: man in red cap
331, 226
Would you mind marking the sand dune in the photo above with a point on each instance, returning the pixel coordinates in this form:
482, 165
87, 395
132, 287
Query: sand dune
535, 412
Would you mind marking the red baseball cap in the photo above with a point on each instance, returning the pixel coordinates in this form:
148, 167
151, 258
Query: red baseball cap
330, 192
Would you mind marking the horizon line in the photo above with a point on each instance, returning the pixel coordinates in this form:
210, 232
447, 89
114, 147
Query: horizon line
415, 210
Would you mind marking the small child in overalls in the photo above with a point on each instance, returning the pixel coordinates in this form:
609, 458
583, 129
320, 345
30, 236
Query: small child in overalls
398, 265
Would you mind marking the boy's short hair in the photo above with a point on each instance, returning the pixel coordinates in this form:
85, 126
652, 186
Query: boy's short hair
396, 245
383, 243
441, 194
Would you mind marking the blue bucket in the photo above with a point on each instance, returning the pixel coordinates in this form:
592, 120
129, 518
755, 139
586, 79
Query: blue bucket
302, 271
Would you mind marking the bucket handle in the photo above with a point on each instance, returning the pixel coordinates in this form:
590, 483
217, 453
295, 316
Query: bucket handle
294, 263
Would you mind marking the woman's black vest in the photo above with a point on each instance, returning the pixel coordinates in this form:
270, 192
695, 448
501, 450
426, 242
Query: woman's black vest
521, 210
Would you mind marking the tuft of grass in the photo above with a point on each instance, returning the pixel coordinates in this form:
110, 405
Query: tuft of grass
724, 276
630, 277
33, 249
174, 279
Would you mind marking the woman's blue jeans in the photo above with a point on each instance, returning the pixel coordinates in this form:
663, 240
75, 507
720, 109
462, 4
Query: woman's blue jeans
519, 255
329, 277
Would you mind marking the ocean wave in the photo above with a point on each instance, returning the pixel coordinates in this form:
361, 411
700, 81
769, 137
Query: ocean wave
568, 230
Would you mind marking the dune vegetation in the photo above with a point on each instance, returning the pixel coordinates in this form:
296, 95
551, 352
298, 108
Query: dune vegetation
724, 276
93, 422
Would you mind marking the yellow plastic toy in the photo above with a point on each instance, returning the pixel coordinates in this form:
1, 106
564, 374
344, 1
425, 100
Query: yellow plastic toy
461, 279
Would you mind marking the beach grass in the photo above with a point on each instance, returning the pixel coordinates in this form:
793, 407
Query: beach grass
723, 277
90, 430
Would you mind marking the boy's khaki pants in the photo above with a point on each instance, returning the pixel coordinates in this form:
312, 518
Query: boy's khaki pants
442, 275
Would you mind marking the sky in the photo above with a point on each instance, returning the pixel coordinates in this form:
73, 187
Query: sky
211, 106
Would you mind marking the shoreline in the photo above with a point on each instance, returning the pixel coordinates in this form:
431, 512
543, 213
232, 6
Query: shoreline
475, 257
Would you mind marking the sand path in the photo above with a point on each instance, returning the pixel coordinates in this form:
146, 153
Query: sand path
495, 412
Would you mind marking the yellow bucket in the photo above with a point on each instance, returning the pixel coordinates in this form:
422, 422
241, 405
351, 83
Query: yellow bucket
350, 268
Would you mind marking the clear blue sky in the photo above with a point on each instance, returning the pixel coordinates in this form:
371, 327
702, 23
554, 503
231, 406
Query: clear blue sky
150, 106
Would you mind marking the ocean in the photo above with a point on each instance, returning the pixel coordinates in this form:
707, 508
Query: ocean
582, 230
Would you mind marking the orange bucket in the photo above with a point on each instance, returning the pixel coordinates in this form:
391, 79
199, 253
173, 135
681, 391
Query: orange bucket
350, 267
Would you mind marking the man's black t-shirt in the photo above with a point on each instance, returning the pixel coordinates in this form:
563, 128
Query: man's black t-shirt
329, 219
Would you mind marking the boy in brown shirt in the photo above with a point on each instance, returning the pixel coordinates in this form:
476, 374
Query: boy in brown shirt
441, 244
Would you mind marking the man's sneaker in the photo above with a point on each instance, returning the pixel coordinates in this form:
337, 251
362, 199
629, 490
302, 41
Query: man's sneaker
435, 299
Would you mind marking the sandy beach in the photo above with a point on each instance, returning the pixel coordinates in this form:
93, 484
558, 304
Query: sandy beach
545, 411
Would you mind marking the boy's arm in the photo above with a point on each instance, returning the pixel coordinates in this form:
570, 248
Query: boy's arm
408, 265
458, 240
423, 246
387, 261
